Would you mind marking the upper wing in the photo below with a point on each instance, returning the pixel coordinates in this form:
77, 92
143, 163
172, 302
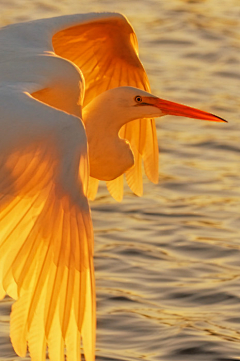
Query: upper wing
46, 238
106, 51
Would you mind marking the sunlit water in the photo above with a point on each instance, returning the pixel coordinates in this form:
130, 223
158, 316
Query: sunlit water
168, 264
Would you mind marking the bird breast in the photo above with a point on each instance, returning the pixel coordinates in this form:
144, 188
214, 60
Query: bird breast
109, 157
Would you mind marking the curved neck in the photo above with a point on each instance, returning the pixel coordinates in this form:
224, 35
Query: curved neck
109, 156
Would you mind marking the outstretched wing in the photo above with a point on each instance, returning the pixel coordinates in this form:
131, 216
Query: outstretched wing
46, 237
106, 51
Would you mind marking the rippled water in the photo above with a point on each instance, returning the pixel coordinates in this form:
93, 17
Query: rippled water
168, 264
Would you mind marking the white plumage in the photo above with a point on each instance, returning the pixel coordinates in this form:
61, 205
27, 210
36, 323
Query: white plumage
58, 111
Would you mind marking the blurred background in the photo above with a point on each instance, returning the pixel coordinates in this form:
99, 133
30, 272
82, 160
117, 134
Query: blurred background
168, 264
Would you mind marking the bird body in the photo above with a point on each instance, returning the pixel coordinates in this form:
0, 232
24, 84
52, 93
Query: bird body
73, 96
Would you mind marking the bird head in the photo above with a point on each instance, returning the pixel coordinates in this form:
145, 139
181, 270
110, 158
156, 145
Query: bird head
132, 103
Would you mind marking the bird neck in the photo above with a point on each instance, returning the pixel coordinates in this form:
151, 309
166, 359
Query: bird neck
109, 155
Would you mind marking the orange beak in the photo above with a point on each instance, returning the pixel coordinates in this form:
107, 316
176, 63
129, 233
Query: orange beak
171, 108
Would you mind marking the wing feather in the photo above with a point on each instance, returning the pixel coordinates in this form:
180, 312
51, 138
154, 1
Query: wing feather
92, 188
134, 176
150, 153
46, 237
115, 188
36, 339
106, 51
73, 340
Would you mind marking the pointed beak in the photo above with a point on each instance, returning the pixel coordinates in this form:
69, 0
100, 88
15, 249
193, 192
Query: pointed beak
171, 108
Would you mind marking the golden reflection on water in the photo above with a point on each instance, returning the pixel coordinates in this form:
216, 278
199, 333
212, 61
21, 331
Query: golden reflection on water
167, 264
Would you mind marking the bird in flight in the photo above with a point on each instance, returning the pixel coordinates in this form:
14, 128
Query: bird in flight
75, 108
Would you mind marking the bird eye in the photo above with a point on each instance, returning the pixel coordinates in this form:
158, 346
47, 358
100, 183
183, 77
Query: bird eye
138, 99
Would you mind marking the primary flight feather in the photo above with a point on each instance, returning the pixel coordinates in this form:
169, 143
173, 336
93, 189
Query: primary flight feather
75, 108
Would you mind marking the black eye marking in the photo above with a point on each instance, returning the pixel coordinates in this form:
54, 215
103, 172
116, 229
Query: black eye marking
138, 99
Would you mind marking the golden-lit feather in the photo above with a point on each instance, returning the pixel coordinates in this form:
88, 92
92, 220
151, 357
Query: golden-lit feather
106, 51
115, 188
92, 188
46, 239
46, 236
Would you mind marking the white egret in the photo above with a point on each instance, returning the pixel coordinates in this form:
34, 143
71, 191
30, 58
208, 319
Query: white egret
72, 91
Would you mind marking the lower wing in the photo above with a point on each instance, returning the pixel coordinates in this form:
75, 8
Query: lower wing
46, 238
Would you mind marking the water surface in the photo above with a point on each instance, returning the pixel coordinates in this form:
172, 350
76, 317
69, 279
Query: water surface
168, 264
